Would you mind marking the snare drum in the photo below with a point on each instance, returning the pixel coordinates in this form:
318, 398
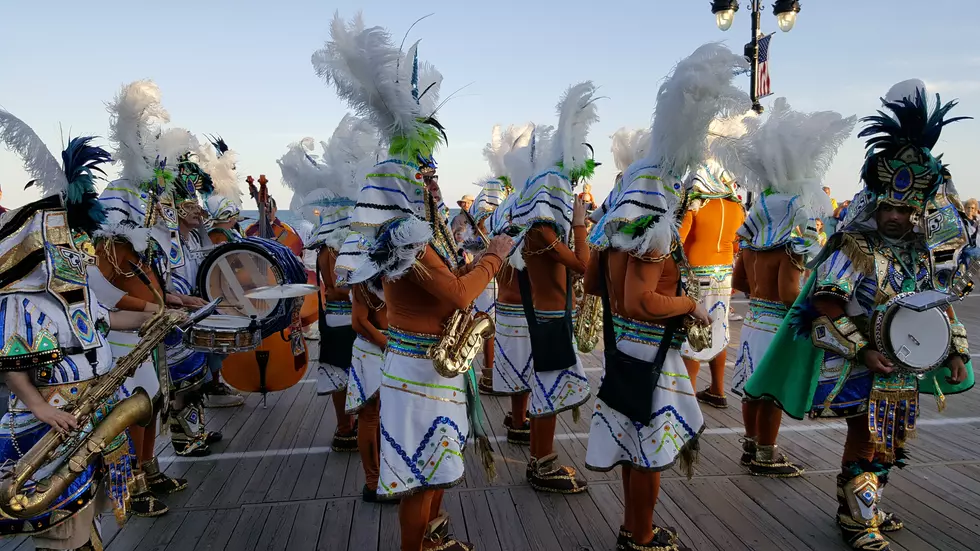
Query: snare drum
232, 270
223, 334
916, 342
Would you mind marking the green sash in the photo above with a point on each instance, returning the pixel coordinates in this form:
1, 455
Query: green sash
790, 370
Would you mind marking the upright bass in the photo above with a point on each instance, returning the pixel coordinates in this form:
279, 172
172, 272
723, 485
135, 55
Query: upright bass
281, 360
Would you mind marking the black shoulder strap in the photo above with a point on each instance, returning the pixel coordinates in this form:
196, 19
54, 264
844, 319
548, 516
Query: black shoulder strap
524, 282
568, 292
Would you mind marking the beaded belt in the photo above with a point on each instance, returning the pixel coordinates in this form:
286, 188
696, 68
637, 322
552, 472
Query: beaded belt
413, 345
337, 307
762, 307
644, 332
718, 272
516, 310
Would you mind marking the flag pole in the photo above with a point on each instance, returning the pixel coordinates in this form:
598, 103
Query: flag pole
752, 53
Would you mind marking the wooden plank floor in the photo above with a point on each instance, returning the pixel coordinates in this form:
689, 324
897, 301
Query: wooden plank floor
274, 484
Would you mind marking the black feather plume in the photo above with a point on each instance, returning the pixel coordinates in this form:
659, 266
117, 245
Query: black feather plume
81, 162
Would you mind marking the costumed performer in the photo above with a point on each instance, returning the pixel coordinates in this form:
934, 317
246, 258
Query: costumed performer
881, 249
135, 232
400, 231
782, 162
551, 218
646, 417
54, 319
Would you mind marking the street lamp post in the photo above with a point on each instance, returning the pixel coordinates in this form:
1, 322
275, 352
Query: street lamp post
785, 12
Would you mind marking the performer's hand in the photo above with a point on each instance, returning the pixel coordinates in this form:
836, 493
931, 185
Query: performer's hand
193, 302
578, 212
173, 300
957, 369
60, 421
500, 245
701, 315
151, 307
876, 361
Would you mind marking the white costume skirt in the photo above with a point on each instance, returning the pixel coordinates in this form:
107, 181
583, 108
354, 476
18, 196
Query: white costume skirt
485, 302
758, 330
716, 294
146, 377
512, 351
424, 427
332, 378
676, 421
365, 374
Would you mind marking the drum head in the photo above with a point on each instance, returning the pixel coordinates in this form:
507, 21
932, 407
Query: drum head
919, 340
233, 274
221, 321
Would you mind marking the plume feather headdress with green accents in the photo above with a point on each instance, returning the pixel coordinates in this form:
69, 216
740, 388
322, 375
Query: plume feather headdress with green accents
900, 167
74, 179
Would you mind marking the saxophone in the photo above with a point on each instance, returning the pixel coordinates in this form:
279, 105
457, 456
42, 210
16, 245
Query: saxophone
698, 335
84, 449
464, 336
588, 319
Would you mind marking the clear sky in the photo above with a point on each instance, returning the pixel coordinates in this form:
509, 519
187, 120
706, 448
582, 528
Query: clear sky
242, 68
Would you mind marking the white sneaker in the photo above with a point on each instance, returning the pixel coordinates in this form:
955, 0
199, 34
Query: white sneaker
733, 316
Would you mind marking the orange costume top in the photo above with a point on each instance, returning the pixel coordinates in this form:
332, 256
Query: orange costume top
423, 300
708, 234
282, 233
114, 257
772, 275
640, 289
547, 259
369, 316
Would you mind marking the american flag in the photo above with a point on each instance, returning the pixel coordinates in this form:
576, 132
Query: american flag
762, 87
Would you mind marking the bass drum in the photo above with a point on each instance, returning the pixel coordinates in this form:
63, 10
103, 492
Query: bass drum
231, 271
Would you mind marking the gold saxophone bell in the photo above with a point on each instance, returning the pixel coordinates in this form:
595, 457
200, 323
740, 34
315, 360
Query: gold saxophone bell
16, 501
588, 319
698, 334
464, 336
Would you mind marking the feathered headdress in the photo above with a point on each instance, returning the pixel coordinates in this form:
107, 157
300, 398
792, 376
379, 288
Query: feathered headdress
389, 88
179, 147
644, 217
302, 173
351, 151
577, 112
502, 142
217, 160
74, 178
395, 217
560, 159
783, 161
627, 147
900, 167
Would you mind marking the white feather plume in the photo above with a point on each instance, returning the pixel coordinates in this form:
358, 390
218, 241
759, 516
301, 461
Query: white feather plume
541, 145
300, 172
135, 118
43, 167
629, 146
699, 90
222, 172
577, 111
503, 142
375, 78
353, 143
174, 143
789, 153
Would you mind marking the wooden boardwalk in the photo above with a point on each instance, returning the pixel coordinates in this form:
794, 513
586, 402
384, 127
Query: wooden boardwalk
273, 484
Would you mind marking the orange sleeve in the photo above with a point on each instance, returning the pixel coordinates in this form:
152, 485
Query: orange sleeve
435, 277
640, 297
831, 307
592, 276
789, 280
217, 237
740, 280
360, 320
543, 237
686, 225
327, 260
